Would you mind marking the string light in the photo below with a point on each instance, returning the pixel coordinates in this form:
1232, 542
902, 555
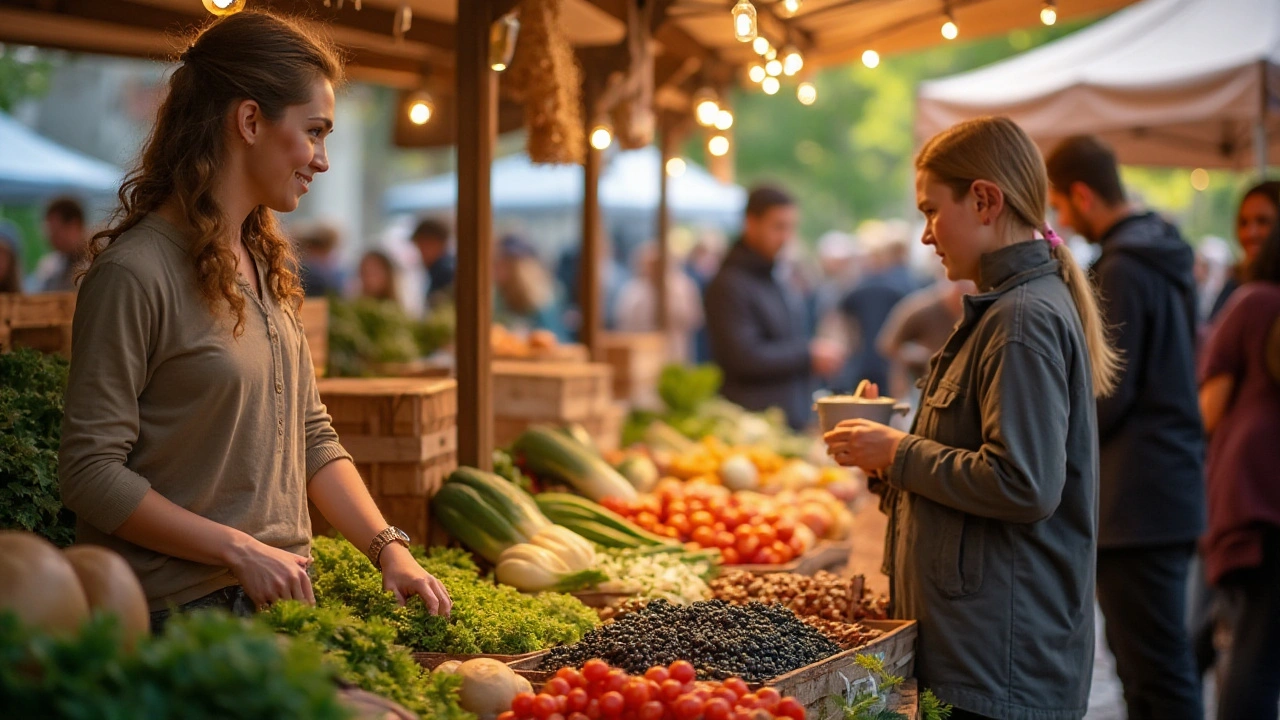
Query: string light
756, 72
771, 86
706, 107
421, 108
403, 22
1200, 179
601, 137
760, 45
806, 93
791, 7
949, 29
502, 41
675, 167
744, 21
792, 61
224, 7
1049, 13
773, 68
870, 58
724, 120
718, 145
771, 53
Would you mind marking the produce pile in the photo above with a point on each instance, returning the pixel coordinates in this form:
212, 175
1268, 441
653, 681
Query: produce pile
746, 467
846, 635
823, 595
31, 389
670, 692
365, 333
755, 642
677, 577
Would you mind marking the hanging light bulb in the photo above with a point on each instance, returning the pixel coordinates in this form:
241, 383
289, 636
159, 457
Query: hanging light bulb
502, 41
224, 7
601, 136
771, 86
760, 45
706, 107
792, 61
744, 21
791, 7
718, 145
675, 167
771, 53
870, 58
421, 108
724, 120
756, 72
1049, 13
806, 93
773, 68
949, 29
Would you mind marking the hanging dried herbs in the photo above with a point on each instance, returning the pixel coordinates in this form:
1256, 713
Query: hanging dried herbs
546, 78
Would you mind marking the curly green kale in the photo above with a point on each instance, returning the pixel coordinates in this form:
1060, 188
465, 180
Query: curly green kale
31, 394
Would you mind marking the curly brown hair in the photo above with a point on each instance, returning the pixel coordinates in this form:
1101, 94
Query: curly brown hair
251, 55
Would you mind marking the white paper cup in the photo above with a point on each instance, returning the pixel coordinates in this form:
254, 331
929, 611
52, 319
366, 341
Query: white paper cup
838, 408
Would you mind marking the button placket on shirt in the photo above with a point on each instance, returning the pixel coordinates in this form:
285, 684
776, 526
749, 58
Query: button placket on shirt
277, 363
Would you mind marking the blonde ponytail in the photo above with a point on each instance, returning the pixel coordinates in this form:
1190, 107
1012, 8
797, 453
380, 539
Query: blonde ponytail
997, 150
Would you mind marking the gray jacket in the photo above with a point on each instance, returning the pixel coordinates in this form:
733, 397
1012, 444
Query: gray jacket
993, 501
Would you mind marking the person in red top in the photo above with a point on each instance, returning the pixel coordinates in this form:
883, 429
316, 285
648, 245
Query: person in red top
1240, 403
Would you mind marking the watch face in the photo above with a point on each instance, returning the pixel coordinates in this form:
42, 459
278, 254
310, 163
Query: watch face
401, 535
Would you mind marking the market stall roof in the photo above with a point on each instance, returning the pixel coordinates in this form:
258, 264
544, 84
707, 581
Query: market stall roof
33, 167
1166, 82
629, 183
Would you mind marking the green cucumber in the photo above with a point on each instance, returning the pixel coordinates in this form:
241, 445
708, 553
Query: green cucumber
513, 503
555, 455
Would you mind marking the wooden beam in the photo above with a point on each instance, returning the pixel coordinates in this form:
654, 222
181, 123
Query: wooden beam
664, 226
477, 94
592, 253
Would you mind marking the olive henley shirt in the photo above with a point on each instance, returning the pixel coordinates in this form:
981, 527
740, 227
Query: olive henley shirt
162, 396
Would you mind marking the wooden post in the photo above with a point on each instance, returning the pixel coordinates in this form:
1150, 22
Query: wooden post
477, 127
590, 295
666, 143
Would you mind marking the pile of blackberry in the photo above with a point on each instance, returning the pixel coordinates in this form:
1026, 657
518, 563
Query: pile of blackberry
754, 642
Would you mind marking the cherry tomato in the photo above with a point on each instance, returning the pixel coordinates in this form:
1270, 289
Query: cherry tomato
733, 518
704, 536
671, 689
611, 704
766, 533
670, 532
543, 706
681, 523
571, 676
750, 701
720, 527
593, 710
636, 692
555, 716
741, 714
578, 716
595, 670
682, 671
616, 680
651, 710
717, 709
747, 543
687, 707
782, 550
695, 504
789, 708
724, 539
785, 528
646, 519
737, 685
522, 705
724, 693
578, 699
702, 518
730, 556
657, 674
769, 697
677, 507
557, 686
796, 543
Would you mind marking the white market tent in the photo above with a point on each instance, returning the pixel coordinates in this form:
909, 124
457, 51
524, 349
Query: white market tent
1190, 83
33, 167
629, 183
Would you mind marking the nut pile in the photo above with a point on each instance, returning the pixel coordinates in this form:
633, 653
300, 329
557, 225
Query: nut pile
824, 595
846, 635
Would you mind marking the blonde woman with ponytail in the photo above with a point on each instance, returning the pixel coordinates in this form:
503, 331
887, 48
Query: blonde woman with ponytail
992, 498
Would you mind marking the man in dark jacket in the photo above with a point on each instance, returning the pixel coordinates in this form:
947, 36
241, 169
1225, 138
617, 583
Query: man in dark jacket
1152, 442
756, 326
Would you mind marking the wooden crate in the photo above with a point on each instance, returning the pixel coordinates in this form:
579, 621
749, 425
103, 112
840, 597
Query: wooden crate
551, 391
637, 360
830, 555
41, 321
315, 323
402, 434
604, 427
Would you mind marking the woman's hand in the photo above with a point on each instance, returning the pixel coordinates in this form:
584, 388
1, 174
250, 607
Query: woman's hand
268, 574
402, 575
865, 444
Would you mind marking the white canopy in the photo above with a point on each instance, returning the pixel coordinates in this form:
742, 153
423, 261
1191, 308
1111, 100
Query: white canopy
1166, 82
629, 183
33, 167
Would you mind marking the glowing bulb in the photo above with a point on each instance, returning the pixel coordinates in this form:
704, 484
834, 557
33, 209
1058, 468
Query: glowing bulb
1049, 13
707, 110
756, 73
718, 146
770, 86
224, 7
806, 93
744, 21
601, 137
724, 120
502, 41
1200, 179
771, 53
760, 45
421, 108
949, 30
675, 167
792, 61
870, 58
773, 68
791, 7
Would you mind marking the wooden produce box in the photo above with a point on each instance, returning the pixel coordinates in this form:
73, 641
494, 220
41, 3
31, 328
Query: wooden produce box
637, 360
529, 393
315, 324
41, 321
402, 434
830, 555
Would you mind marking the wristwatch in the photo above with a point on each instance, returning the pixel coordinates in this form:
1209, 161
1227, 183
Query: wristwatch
382, 540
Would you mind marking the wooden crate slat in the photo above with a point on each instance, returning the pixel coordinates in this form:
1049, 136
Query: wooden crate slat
315, 325
637, 360
551, 390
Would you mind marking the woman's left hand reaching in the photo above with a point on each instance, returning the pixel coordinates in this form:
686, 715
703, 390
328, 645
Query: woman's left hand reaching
402, 575
865, 444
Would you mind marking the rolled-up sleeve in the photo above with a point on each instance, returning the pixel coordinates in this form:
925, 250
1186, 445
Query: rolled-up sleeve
113, 332
323, 446
1019, 472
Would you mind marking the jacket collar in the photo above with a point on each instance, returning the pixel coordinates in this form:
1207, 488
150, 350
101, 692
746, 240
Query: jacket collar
744, 257
1013, 265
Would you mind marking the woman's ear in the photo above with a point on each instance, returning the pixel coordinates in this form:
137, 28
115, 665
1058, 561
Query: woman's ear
248, 119
988, 200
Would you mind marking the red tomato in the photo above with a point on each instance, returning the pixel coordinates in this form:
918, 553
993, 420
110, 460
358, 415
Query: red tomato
671, 689
770, 515
782, 550
670, 532
682, 671
732, 518
646, 519
557, 686
769, 697
508, 715
766, 533
695, 504
719, 527
616, 680
571, 676
741, 714
786, 529
543, 706
747, 543
578, 716
657, 674
578, 699
789, 708
593, 710
687, 707
724, 539
611, 704
704, 536
562, 704
556, 716
701, 517
730, 556
737, 685
522, 705
615, 504
636, 692
651, 710
595, 670
677, 507
681, 523
797, 545
750, 701
716, 709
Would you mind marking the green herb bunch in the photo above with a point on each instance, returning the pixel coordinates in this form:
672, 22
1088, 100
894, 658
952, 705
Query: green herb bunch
869, 705
486, 617
364, 653
31, 393
206, 665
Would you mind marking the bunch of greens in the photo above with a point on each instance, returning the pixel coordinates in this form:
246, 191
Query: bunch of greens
871, 704
505, 466
437, 329
366, 332
206, 665
364, 652
486, 617
31, 390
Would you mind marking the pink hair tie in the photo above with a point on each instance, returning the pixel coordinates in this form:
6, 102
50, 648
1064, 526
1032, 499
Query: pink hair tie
1054, 238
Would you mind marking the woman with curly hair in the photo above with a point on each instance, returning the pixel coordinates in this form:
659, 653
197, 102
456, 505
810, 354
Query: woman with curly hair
194, 434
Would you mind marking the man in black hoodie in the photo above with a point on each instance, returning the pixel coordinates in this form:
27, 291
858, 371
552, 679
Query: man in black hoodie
1152, 442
